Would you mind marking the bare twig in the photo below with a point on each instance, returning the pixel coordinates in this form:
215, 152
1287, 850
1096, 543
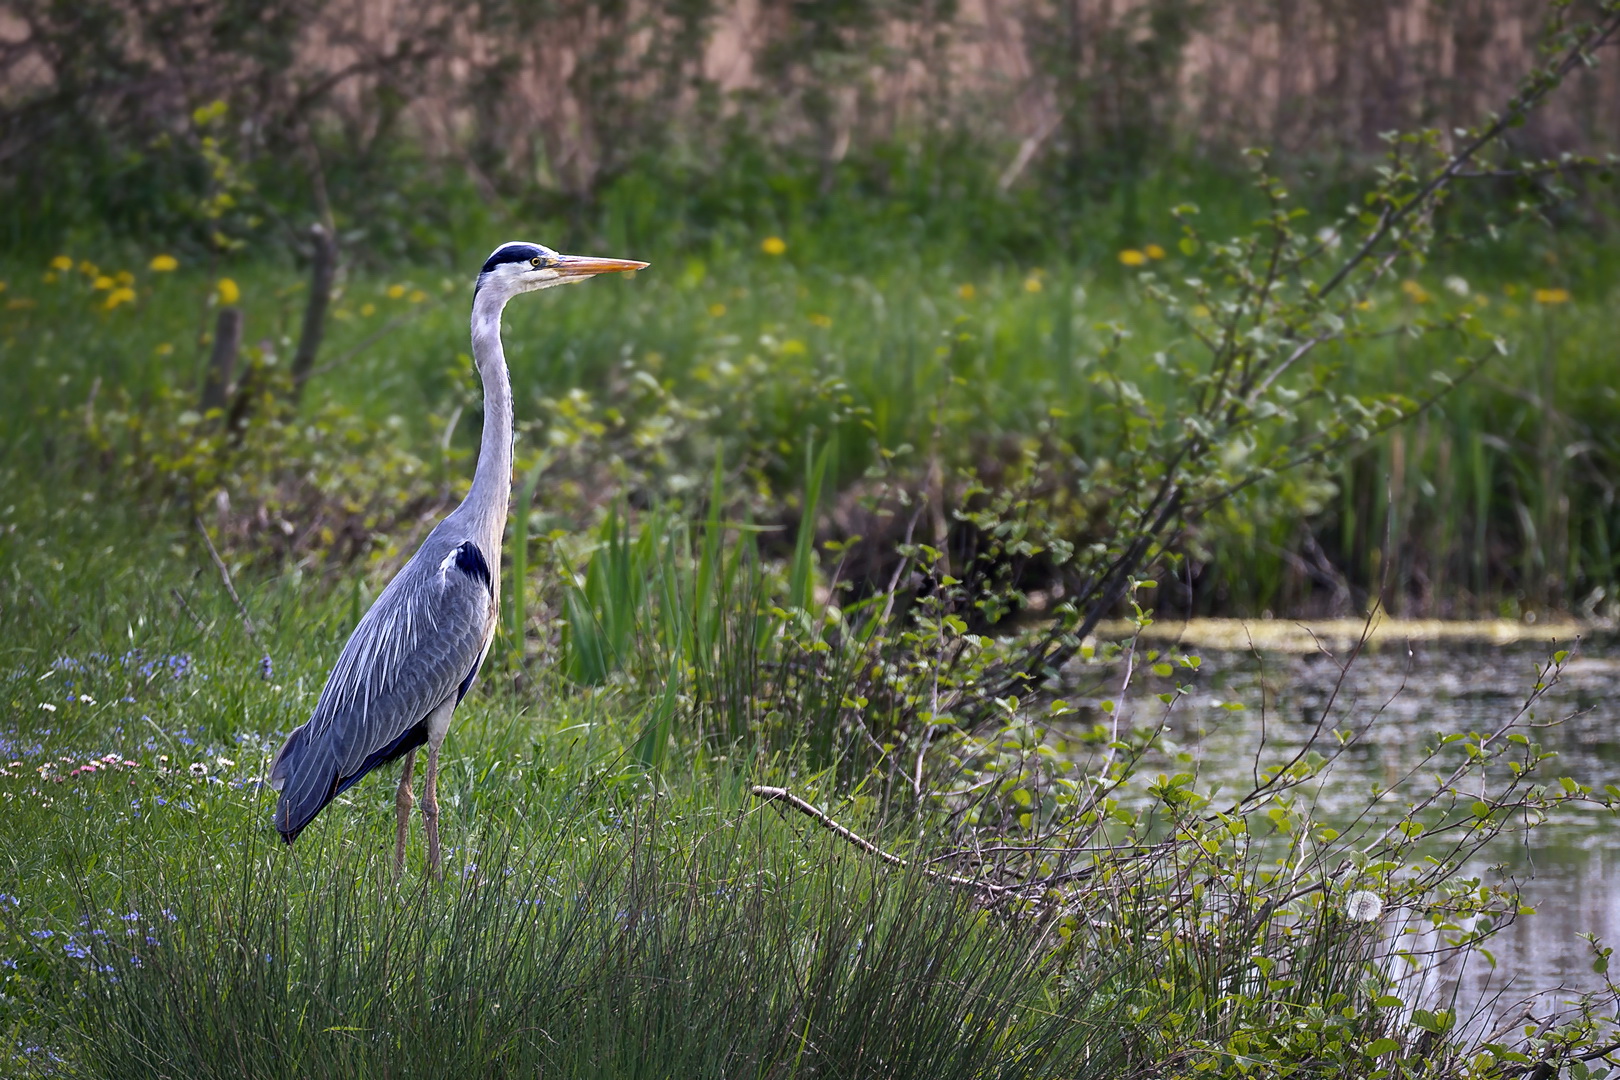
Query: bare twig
265, 664
180, 599
776, 794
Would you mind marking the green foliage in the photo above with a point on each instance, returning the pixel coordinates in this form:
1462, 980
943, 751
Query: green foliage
788, 515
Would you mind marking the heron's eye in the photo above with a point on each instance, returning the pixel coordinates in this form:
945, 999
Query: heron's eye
537, 262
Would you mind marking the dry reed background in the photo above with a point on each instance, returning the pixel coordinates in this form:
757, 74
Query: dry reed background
565, 95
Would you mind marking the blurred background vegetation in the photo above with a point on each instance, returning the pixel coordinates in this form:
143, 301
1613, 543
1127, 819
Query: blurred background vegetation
896, 224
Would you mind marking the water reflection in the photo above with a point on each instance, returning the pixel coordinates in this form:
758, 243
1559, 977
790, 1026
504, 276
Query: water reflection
1401, 696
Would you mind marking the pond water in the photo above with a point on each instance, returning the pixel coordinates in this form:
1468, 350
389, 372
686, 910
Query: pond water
1409, 690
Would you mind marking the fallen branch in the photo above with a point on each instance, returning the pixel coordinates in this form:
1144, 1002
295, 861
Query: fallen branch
776, 794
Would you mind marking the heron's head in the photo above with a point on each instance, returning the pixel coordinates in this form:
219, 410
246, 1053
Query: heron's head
519, 267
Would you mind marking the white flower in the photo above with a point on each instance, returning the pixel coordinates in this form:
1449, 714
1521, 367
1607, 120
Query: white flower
199, 768
225, 762
1457, 285
1363, 906
47, 706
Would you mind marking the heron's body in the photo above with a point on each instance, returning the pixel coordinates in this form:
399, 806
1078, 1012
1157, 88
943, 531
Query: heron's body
416, 652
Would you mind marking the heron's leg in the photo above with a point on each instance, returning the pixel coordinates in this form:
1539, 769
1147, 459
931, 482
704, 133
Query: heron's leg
402, 804
430, 811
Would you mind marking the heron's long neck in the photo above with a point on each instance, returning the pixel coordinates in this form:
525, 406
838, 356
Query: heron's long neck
491, 492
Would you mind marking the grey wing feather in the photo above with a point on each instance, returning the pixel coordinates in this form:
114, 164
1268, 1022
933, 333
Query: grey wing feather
417, 647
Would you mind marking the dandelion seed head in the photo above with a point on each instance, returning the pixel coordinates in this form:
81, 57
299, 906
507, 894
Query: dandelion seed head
1363, 906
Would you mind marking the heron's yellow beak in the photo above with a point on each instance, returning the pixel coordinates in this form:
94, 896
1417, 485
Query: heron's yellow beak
580, 266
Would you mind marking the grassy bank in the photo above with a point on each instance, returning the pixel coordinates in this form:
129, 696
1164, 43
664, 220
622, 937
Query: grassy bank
613, 912
747, 480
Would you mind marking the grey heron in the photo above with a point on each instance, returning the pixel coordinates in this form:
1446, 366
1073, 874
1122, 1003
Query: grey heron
415, 653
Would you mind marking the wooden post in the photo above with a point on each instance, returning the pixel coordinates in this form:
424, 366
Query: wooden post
323, 269
221, 372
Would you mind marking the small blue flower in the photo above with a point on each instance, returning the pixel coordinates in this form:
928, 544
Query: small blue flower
8, 962
171, 916
42, 934
75, 950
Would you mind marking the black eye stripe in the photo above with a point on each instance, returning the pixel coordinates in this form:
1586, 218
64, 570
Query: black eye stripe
513, 253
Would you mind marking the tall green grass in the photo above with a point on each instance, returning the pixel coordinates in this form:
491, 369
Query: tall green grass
623, 936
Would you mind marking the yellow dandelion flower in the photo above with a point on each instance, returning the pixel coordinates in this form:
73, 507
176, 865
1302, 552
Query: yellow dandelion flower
49, 278
103, 282
1032, 284
1201, 310
793, 347
163, 350
716, 310
395, 292
124, 277
1552, 296
417, 296
122, 295
1365, 305
773, 245
1132, 257
228, 291
1153, 251
367, 310
88, 268
1415, 292
967, 291
163, 264
62, 263
818, 319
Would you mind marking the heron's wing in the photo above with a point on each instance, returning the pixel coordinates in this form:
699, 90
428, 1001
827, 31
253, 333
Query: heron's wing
419, 645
